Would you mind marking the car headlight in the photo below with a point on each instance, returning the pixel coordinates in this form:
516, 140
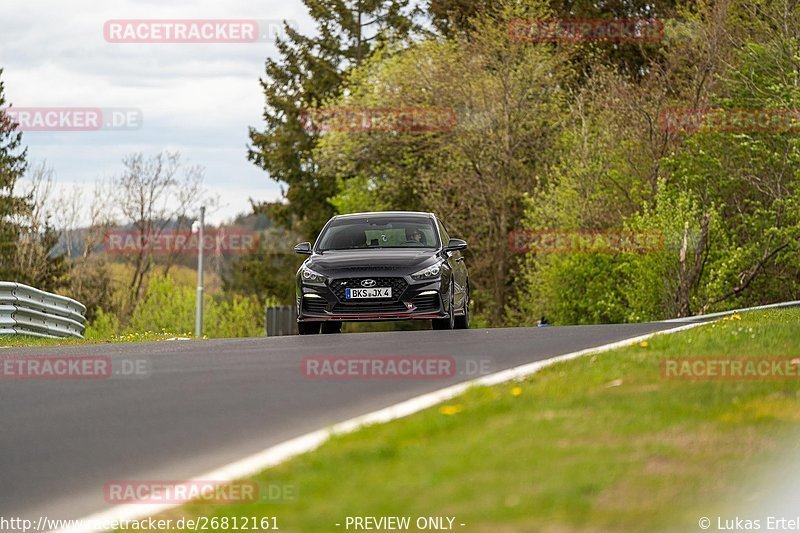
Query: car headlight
432, 272
310, 275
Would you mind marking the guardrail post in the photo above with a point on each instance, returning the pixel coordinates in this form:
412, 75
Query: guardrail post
280, 321
198, 322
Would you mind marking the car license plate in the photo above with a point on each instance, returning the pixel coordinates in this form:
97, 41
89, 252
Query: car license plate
373, 292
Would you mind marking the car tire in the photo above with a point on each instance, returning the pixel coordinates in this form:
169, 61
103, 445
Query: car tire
308, 328
331, 327
462, 322
446, 323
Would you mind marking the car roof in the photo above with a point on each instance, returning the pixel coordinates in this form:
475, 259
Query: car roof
399, 214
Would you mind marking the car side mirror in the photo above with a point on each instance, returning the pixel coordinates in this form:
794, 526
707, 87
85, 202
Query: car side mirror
303, 248
455, 244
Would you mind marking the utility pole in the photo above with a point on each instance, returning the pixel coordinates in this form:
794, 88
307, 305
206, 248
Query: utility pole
198, 323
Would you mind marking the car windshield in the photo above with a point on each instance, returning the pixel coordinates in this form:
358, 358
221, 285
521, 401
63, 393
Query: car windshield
379, 233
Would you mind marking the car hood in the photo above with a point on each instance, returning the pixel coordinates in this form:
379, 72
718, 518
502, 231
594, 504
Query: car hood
371, 261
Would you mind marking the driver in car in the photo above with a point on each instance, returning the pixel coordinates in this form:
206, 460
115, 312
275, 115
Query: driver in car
416, 235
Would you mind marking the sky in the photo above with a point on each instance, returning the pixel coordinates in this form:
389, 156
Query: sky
195, 98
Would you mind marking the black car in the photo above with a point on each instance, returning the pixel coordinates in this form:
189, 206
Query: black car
395, 265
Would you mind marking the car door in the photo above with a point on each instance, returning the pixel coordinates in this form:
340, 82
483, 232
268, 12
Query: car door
457, 266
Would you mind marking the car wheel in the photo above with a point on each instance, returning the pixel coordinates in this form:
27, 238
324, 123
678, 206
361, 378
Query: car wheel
308, 328
331, 327
446, 323
462, 322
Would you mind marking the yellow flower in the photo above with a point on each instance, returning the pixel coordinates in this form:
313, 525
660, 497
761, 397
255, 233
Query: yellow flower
450, 410
736, 316
643, 344
516, 391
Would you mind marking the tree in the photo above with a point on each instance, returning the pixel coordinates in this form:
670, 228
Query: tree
38, 260
506, 99
268, 271
308, 73
453, 18
90, 280
13, 164
152, 195
726, 203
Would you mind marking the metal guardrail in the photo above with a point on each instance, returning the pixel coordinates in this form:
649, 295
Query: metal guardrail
25, 310
281, 321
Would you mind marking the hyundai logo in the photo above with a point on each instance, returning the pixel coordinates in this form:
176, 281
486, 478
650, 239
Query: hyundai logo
368, 283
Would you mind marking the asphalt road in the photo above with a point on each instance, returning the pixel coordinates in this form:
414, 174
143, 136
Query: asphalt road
206, 404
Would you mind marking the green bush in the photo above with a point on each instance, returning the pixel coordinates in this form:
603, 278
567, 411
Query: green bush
169, 307
165, 306
242, 316
582, 288
104, 326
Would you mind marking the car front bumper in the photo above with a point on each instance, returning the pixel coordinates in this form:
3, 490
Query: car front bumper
411, 300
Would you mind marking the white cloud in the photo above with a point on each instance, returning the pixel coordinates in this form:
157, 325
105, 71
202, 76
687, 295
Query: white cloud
198, 99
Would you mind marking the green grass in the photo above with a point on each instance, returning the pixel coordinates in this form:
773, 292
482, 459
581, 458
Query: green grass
601, 443
21, 341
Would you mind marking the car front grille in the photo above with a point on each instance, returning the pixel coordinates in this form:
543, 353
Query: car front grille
398, 286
